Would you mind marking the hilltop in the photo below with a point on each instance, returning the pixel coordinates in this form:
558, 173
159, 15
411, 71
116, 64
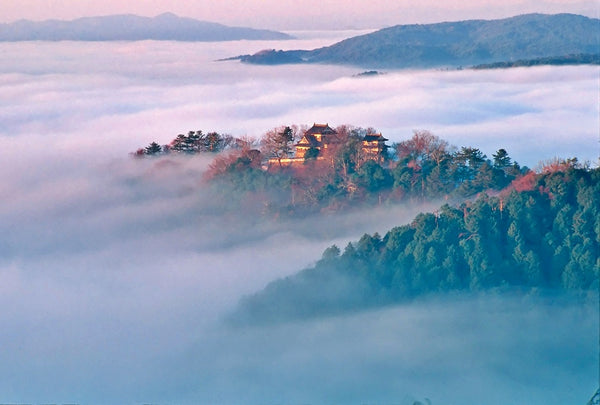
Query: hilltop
128, 27
461, 43
293, 171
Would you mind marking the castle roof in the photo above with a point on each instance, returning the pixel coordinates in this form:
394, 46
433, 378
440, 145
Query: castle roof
309, 140
374, 138
323, 129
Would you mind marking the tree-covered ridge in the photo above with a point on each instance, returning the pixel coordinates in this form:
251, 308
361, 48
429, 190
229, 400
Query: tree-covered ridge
453, 44
544, 233
577, 59
245, 172
342, 175
192, 143
423, 167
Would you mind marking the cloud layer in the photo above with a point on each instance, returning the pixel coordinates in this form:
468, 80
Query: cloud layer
128, 94
115, 273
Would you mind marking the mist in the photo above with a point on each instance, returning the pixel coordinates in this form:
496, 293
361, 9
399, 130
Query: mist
116, 273
129, 94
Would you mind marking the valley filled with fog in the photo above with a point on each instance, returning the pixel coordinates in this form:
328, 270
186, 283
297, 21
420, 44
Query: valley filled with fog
116, 273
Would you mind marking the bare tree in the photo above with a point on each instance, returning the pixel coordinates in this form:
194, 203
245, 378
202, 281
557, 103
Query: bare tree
421, 147
279, 142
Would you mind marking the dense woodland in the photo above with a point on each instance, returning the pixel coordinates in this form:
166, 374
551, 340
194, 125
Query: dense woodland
544, 234
423, 167
502, 226
578, 59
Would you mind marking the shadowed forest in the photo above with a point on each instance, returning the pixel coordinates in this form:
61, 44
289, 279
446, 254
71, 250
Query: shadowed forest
502, 225
541, 235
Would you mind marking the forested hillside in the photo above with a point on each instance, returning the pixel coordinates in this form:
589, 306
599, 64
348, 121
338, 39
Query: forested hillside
421, 168
541, 233
460, 43
578, 59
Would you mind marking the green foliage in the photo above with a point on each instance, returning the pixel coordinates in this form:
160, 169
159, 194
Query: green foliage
501, 159
192, 143
373, 177
572, 59
153, 149
545, 237
311, 154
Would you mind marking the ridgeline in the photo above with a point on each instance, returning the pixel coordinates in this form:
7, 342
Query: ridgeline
453, 44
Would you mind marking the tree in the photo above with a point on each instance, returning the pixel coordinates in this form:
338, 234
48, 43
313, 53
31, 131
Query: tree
331, 253
501, 159
311, 154
467, 162
406, 178
470, 157
234, 161
484, 179
374, 177
213, 142
278, 143
153, 149
193, 142
421, 147
348, 154
424, 153
179, 144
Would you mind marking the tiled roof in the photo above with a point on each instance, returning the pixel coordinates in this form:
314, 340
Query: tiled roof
309, 140
374, 138
323, 129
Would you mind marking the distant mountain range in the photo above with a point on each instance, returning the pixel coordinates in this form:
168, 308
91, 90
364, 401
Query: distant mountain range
461, 43
131, 28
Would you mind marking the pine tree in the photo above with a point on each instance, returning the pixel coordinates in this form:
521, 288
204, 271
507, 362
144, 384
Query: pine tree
153, 149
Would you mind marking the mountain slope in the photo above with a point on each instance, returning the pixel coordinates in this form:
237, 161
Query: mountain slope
460, 43
131, 28
545, 234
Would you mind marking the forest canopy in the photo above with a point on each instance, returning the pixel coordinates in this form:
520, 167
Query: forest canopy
343, 175
502, 226
543, 234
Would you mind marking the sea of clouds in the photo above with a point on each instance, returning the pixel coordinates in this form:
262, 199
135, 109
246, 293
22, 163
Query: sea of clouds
115, 273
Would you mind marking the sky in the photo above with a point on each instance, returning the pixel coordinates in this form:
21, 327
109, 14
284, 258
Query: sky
296, 15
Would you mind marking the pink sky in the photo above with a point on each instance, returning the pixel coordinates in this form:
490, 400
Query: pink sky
299, 14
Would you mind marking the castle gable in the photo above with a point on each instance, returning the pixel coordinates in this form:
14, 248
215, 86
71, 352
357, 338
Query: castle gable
309, 141
374, 138
321, 129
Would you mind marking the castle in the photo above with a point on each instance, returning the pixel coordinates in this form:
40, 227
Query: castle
320, 138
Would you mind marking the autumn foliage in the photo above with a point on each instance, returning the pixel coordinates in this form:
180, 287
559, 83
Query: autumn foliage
423, 167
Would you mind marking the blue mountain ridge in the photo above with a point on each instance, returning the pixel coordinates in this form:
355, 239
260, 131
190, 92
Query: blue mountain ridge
128, 27
460, 43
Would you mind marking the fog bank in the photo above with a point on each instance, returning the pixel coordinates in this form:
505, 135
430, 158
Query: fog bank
116, 273
110, 98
